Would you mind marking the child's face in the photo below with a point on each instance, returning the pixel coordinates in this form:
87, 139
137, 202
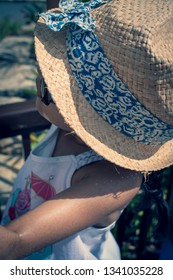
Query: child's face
49, 112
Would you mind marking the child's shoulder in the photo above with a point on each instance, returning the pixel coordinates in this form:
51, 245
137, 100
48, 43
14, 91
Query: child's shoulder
106, 187
106, 173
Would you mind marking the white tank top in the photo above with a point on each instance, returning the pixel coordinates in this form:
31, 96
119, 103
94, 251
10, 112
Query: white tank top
43, 176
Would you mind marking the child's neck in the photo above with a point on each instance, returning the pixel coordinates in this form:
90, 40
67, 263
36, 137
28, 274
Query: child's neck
69, 144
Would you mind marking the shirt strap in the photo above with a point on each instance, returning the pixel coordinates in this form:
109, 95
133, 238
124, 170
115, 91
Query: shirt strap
87, 158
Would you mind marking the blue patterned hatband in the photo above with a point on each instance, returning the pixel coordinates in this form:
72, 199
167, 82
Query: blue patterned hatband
96, 78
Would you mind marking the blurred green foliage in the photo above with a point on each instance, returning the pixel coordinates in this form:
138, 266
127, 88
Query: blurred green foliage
136, 230
9, 27
31, 12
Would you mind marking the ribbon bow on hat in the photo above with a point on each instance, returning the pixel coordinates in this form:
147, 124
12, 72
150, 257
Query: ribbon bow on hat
73, 12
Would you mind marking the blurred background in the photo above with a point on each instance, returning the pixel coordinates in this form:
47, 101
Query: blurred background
17, 58
17, 78
138, 239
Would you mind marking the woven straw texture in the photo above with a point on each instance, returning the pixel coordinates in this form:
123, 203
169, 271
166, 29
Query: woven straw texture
137, 37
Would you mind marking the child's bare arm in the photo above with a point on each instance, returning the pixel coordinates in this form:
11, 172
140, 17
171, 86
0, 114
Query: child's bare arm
89, 200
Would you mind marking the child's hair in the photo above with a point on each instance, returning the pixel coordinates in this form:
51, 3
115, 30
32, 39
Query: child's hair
153, 193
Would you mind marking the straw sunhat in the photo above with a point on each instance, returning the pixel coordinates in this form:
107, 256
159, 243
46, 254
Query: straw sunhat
126, 114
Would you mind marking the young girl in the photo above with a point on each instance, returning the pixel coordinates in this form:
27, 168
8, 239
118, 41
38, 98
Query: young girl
102, 69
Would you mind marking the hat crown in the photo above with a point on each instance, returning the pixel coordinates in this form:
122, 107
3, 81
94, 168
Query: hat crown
140, 49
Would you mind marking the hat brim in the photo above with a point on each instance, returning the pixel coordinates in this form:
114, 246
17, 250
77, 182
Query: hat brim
50, 48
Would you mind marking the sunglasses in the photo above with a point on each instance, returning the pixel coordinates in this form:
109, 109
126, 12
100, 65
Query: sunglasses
46, 97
